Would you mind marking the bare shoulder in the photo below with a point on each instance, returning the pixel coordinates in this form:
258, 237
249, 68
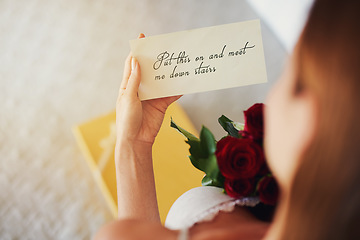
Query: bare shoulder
238, 224
134, 229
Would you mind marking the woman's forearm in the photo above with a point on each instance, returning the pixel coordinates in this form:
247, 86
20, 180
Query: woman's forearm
135, 181
138, 123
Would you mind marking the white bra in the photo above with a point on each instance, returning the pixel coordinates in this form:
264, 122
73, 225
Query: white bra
202, 204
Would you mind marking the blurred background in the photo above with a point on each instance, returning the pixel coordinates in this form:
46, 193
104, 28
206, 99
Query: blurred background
61, 63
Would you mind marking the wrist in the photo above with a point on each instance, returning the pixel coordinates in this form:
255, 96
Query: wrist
122, 144
129, 149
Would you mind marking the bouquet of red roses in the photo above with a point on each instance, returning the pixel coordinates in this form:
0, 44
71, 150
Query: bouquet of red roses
235, 163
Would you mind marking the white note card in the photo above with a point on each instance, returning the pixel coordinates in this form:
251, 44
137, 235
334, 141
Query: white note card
199, 60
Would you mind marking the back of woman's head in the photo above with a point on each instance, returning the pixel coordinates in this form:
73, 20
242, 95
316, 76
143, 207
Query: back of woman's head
325, 193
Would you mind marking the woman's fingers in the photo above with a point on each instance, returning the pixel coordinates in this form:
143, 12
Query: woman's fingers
174, 98
135, 77
127, 70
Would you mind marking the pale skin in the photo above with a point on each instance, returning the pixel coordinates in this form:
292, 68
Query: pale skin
137, 126
138, 123
290, 124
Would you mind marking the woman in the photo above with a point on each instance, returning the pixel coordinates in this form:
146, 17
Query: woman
312, 133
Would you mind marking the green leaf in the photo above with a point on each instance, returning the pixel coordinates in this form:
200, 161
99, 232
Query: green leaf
228, 126
207, 141
207, 181
196, 163
210, 166
188, 135
218, 182
195, 150
202, 154
223, 120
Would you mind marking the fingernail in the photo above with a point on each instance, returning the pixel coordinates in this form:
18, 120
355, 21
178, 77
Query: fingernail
133, 63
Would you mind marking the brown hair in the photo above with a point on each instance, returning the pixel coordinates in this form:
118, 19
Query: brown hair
325, 193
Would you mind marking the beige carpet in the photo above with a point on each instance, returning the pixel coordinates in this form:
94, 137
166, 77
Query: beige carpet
61, 64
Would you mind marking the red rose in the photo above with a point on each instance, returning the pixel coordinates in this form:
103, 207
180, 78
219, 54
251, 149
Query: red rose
238, 158
254, 124
268, 190
264, 169
238, 188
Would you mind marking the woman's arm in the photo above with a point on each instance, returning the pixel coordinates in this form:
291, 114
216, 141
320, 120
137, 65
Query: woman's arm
135, 181
137, 126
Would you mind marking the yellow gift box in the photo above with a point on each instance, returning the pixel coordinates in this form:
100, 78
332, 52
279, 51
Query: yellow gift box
173, 171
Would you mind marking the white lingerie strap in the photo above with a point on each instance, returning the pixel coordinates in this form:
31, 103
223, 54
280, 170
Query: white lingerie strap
183, 234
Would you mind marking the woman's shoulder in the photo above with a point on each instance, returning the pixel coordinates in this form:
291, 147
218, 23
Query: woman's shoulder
239, 224
236, 225
131, 229
206, 212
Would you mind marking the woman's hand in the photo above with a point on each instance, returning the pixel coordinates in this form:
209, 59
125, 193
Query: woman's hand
137, 126
138, 121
